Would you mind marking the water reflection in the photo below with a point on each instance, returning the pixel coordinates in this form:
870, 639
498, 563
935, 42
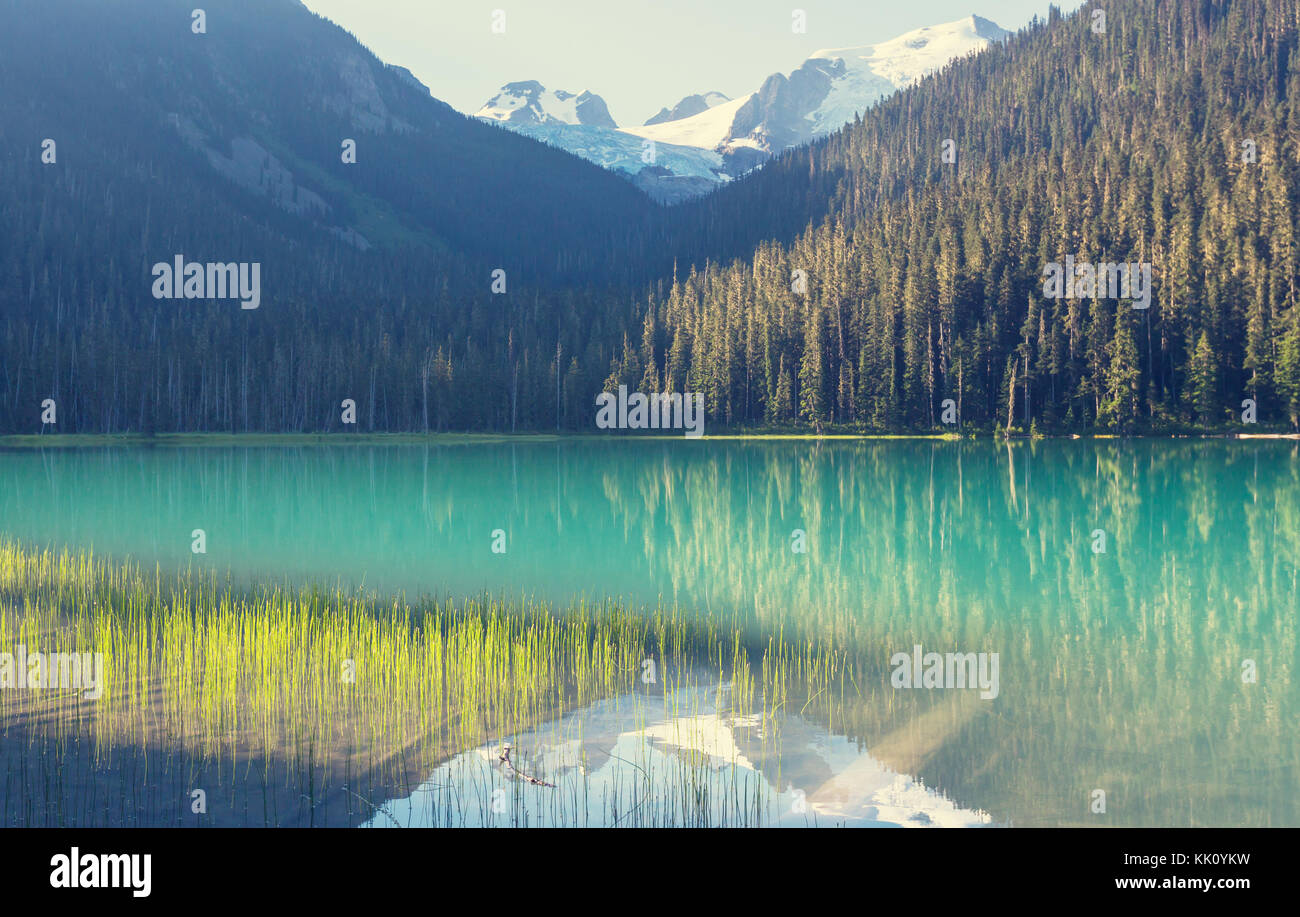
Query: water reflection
677, 760
1124, 657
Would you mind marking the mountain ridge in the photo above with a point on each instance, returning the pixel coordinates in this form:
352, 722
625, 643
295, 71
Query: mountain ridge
822, 96
876, 279
686, 107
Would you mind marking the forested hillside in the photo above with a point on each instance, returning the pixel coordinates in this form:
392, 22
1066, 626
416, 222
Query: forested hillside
226, 146
861, 281
1169, 138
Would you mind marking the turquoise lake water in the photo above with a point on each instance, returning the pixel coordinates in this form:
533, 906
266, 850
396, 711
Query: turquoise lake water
1141, 596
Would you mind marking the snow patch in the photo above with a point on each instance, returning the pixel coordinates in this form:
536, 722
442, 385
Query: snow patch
708, 130
913, 55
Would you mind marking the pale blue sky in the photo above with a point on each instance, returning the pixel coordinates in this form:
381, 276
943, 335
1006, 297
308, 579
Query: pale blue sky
638, 55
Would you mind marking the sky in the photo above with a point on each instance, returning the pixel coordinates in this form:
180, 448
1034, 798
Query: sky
639, 56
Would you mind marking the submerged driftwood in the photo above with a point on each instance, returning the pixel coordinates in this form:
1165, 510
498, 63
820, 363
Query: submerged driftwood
509, 769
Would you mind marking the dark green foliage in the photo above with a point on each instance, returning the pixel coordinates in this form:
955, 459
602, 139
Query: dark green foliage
408, 328
923, 279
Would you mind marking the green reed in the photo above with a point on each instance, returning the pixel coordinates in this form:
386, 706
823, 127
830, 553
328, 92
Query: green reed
297, 694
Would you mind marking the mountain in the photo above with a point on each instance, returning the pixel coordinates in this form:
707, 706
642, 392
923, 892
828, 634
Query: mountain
667, 172
691, 105
230, 146
826, 92
529, 103
857, 77
228, 107
708, 139
461, 276
890, 287
580, 123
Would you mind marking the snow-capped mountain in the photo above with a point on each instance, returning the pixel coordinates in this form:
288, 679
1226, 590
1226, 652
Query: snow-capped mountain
529, 102
666, 171
707, 139
581, 124
691, 105
826, 92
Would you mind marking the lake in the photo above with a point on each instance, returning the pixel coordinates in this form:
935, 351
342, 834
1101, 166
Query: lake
1140, 596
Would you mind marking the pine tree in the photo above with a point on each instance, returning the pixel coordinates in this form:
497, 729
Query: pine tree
1288, 368
1121, 404
783, 402
812, 394
1204, 381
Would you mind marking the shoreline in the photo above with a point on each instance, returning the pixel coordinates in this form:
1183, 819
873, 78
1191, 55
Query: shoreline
90, 440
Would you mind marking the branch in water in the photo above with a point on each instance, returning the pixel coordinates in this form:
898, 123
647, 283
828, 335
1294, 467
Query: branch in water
509, 767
